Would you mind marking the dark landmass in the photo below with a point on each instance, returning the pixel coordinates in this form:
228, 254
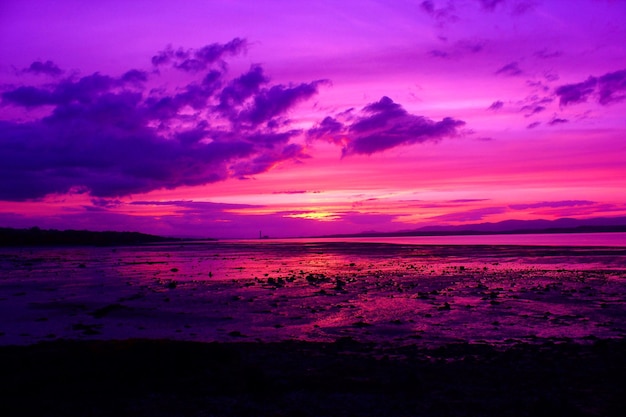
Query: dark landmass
509, 227
38, 237
293, 378
539, 224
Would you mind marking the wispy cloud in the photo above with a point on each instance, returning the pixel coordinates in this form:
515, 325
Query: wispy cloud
194, 60
557, 121
442, 15
607, 89
490, 4
45, 68
576, 93
511, 69
552, 204
459, 49
547, 54
496, 105
296, 192
469, 215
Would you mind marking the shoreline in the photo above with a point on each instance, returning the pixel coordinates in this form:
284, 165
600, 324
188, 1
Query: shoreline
316, 292
308, 330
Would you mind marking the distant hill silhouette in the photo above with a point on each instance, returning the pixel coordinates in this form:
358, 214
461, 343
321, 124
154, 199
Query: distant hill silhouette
38, 237
565, 225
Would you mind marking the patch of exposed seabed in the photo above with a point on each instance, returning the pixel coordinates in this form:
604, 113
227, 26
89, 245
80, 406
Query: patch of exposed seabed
381, 293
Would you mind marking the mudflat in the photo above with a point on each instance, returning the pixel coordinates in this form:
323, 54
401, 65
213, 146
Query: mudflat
224, 328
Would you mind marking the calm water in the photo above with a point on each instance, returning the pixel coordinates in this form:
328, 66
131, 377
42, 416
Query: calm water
563, 239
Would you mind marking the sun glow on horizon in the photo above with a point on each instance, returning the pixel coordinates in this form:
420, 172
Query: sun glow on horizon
393, 118
324, 216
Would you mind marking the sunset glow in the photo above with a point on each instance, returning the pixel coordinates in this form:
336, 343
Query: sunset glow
223, 118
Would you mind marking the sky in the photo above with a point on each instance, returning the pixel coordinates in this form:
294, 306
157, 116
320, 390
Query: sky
228, 118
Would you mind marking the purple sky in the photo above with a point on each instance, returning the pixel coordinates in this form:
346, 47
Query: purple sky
224, 118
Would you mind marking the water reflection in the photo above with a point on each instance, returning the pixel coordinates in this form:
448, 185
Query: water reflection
277, 290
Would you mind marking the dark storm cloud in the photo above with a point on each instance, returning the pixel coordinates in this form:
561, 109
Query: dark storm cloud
607, 89
329, 127
266, 160
83, 91
241, 88
265, 103
134, 76
194, 60
276, 100
46, 68
28, 97
511, 69
383, 125
113, 136
533, 125
196, 96
109, 157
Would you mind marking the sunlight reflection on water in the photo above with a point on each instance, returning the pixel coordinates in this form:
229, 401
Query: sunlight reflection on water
285, 289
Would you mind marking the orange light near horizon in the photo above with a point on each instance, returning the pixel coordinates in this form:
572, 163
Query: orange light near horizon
323, 216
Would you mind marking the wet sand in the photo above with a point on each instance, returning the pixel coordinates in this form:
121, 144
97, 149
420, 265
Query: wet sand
320, 328
314, 292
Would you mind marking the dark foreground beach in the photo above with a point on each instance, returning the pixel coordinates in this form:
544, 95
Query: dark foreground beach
280, 329
291, 378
